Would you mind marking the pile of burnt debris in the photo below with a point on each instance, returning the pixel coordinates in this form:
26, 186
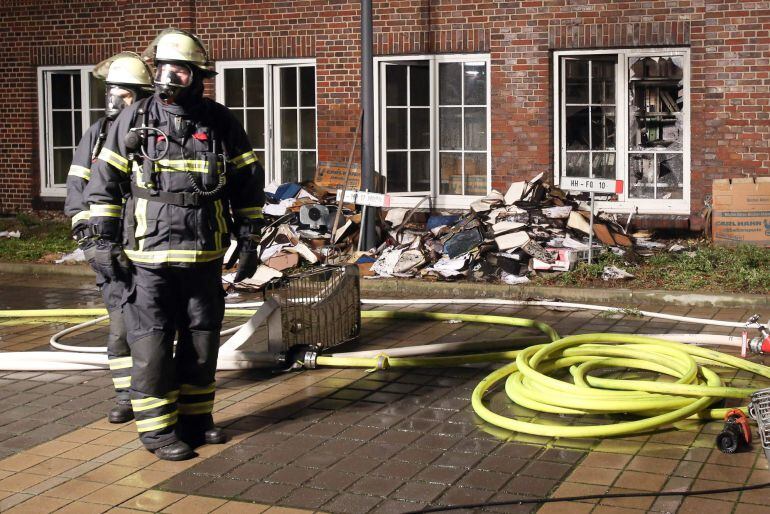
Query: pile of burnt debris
534, 227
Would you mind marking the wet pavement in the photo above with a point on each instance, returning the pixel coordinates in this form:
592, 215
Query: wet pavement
337, 440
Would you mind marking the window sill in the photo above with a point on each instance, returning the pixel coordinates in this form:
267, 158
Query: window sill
678, 208
53, 193
440, 202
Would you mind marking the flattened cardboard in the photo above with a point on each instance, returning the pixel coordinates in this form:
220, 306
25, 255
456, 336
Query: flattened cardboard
283, 261
332, 176
741, 211
603, 234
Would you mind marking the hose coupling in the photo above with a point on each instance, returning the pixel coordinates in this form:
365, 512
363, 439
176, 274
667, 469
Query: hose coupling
310, 360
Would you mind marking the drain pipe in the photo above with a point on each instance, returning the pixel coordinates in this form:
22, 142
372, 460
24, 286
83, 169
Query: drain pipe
368, 235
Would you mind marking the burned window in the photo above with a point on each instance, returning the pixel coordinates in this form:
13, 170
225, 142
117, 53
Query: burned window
647, 89
656, 120
589, 116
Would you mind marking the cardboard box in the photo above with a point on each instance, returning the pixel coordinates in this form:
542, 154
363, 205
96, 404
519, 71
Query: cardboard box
741, 211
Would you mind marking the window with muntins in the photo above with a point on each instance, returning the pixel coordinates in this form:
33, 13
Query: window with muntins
624, 115
70, 99
433, 130
275, 101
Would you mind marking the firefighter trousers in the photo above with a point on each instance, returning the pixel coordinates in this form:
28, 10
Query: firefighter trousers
118, 352
172, 391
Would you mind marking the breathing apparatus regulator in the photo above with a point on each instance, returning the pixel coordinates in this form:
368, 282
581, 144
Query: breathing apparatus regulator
181, 65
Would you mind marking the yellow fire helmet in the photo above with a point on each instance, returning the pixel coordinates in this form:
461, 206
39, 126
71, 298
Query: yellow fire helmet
125, 68
176, 45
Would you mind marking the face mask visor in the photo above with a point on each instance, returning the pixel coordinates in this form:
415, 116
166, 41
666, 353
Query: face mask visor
116, 99
171, 79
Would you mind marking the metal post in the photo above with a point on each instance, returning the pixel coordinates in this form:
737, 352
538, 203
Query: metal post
367, 106
591, 231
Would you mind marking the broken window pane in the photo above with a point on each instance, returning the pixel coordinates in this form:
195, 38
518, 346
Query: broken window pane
576, 81
655, 103
475, 174
641, 176
603, 82
577, 137
670, 176
450, 173
578, 164
604, 165
602, 128
397, 172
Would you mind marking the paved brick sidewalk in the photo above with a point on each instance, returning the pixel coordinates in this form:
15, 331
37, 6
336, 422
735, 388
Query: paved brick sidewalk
341, 440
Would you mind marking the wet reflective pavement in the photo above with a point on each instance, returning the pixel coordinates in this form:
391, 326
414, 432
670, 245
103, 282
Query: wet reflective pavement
339, 440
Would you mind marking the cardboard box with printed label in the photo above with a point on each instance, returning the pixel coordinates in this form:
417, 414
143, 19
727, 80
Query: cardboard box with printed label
741, 211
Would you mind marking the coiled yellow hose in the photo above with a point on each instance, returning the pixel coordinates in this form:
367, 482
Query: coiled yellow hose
530, 381
556, 378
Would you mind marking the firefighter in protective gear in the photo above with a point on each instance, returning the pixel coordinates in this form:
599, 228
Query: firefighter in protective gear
127, 79
191, 179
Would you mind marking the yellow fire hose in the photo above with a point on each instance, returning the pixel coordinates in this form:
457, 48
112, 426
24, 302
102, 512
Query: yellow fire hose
556, 377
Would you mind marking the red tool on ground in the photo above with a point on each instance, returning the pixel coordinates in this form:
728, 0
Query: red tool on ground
736, 434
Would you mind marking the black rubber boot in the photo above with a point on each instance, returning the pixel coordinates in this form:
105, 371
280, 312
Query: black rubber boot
195, 438
178, 450
215, 435
121, 413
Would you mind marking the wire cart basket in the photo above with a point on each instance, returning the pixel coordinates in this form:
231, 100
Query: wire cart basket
759, 410
319, 307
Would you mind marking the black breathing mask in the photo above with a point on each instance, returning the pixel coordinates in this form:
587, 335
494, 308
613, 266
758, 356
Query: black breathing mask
172, 81
117, 98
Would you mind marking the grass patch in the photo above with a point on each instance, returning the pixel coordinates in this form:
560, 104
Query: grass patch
41, 240
706, 268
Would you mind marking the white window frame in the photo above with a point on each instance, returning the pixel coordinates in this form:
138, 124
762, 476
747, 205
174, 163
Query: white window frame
45, 120
410, 199
624, 204
272, 105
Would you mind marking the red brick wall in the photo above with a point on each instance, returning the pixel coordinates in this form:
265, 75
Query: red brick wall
730, 64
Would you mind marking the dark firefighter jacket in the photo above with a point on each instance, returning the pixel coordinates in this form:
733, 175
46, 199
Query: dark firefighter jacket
79, 173
207, 146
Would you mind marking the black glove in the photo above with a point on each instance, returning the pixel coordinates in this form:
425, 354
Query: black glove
108, 259
81, 233
247, 255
